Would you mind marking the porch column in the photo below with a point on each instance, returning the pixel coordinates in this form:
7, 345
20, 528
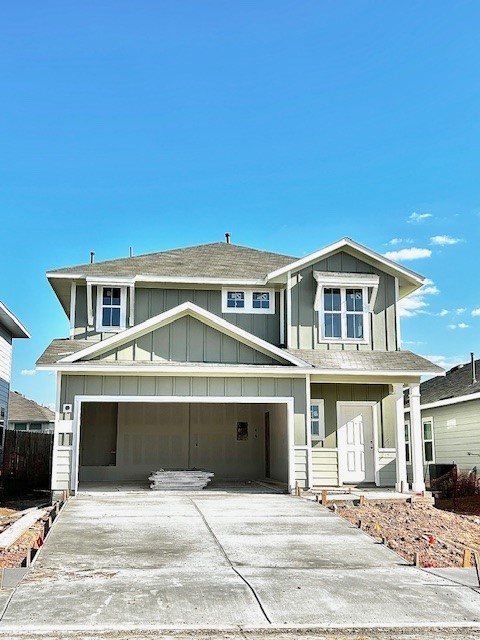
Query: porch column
400, 458
416, 439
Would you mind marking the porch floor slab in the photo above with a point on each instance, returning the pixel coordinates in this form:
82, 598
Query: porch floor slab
225, 561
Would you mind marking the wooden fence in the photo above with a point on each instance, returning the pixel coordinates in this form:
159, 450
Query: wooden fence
27, 460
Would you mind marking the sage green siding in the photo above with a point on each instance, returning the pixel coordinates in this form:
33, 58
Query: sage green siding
456, 432
187, 340
185, 386
333, 393
150, 302
304, 330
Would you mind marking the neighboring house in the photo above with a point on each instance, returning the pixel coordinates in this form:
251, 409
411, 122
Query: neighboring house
450, 407
10, 328
247, 363
27, 415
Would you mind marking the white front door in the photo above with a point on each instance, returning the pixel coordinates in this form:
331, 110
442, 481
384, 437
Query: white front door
356, 442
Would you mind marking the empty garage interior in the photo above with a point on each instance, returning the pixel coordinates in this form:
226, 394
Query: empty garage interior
125, 441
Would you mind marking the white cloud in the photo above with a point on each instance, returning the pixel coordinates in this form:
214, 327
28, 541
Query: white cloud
443, 312
476, 312
28, 372
415, 303
459, 311
419, 217
461, 325
446, 362
395, 241
408, 254
442, 241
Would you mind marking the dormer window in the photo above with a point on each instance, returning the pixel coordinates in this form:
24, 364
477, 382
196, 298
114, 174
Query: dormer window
344, 302
248, 301
111, 308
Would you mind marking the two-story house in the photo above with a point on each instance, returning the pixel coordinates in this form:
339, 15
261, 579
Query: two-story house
243, 362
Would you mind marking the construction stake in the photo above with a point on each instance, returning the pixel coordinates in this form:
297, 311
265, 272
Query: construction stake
324, 497
362, 500
416, 561
467, 558
477, 564
359, 524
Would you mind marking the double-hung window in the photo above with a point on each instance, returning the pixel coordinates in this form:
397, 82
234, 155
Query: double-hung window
236, 299
111, 308
345, 302
408, 457
427, 434
344, 313
317, 420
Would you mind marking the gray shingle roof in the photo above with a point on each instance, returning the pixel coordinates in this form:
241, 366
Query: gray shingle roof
370, 361
215, 260
456, 383
60, 348
21, 409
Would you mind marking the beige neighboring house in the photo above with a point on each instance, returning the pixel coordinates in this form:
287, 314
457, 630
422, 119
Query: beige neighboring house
27, 415
450, 407
248, 363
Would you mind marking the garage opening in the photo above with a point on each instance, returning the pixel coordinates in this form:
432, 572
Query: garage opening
126, 441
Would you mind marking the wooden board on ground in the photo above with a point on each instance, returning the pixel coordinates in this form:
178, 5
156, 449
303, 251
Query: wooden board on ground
179, 479
18, 528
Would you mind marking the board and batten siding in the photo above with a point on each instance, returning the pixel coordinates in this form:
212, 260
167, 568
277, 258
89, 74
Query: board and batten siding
456, 432
304, 323
5, 355
187, 386
187, 340
151, 301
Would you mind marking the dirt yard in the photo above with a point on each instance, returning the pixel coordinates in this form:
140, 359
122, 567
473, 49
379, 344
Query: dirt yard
438, 536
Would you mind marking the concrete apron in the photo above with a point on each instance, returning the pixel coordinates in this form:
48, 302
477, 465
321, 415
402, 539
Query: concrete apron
223, 561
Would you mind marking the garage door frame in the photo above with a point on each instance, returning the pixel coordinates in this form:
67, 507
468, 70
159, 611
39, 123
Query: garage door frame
79, 400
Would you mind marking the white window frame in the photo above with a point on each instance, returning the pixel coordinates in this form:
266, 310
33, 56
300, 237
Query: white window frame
321, 420
248, 297
123, 308
343, 314
408, 443
424, 420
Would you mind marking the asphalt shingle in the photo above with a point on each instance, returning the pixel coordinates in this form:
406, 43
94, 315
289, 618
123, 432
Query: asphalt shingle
456, 383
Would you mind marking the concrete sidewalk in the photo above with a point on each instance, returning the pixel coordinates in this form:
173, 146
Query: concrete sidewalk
223, 560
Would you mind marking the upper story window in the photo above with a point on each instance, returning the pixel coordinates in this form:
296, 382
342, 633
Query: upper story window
248, 301
344, 302
344, 313
111, 308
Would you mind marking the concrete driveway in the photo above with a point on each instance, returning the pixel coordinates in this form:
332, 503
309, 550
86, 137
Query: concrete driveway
222, 560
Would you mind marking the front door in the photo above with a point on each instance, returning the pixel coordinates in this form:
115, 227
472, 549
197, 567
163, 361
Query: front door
356, 443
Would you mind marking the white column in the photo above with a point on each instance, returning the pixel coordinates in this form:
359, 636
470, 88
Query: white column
416, 439
400, 459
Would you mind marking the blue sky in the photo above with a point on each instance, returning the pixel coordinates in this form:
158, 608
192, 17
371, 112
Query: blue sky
158, 124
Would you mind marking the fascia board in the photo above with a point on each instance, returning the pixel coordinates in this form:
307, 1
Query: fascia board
447, 402
189, 368
169, 316
18, 326
160, 279
395, 269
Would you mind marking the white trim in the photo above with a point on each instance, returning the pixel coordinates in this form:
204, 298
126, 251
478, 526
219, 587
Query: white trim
187, 308
15, 321
308, 435
346, 280
286, 400
123, 308
89, 305
248, 301
341, 458
400, 442
447, 402
288, 341
414, 279
159, 279
398, 341
109, 281
416, 439
131, 315
321, 412
432, 440
73, 303
282, 316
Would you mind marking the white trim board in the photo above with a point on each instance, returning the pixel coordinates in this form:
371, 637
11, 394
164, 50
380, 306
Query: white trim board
447, 402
